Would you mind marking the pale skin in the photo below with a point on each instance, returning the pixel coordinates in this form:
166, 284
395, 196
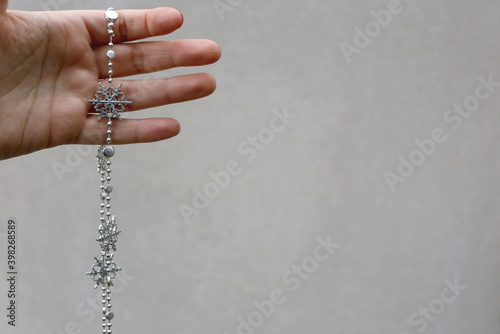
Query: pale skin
50, 63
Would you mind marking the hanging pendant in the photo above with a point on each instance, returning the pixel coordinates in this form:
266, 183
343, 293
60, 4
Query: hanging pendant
108, 102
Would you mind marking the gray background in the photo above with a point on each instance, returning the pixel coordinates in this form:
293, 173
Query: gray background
323, 176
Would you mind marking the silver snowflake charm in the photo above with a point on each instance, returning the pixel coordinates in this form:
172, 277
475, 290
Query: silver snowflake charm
109, 101
108, 234
104, 270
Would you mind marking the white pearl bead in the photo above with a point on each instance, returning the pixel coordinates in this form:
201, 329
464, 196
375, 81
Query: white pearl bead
111, 14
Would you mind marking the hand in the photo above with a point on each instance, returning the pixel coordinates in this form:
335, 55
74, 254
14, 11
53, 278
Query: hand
50, 63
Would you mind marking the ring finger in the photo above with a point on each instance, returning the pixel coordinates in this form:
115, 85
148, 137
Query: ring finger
157, 92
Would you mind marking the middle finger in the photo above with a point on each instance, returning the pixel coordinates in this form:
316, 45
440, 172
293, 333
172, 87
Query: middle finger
147, 57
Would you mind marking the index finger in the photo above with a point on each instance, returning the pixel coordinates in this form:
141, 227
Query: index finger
132, 25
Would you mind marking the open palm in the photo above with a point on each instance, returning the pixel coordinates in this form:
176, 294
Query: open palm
50, 63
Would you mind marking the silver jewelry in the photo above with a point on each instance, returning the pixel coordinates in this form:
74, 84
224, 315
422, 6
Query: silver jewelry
108, 102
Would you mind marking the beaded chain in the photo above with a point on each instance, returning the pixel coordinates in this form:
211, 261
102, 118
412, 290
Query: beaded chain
108, 102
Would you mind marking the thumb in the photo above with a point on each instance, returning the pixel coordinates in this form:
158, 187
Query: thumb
3, 6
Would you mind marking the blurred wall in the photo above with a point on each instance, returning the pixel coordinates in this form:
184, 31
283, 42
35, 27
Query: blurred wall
360, 145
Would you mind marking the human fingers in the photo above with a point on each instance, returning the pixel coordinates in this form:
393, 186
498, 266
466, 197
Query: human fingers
3, 6
131, 24
147, 57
